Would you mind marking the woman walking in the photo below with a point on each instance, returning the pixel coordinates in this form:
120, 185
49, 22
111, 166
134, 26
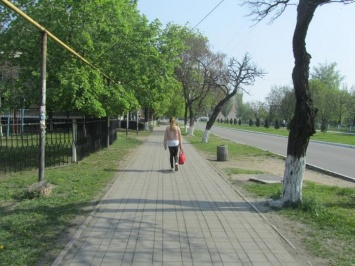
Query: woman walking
172, 140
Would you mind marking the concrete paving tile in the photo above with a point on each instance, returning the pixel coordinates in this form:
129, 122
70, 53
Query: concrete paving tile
271, 257
201, 257
78, 264
145, 244
151, 216
157, 255
215, 257
229, 257
128, 257
111, 257
262, 264
172, 255
143, 255
83, 256
257, 257
286, 258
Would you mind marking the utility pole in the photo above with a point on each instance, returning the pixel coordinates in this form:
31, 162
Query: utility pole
42, 111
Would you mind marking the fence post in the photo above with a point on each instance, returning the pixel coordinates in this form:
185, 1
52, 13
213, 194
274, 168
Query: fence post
22, 120
127, 125
75, 131
8, 125
108, 132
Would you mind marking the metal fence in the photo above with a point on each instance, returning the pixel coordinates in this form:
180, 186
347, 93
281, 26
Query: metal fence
69, 138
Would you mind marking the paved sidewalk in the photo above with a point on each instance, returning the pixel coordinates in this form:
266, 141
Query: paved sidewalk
152, 216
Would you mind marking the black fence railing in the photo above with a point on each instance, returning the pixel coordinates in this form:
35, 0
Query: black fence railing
92, 135
68, 139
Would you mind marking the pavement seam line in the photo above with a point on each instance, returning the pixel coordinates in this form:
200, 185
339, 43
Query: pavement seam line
81, 228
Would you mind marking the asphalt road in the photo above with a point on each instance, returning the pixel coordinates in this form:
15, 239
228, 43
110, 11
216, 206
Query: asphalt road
337, 159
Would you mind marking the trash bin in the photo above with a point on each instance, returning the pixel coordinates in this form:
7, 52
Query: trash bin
222, 153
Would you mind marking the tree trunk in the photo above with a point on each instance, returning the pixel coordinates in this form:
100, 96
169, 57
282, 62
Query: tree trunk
213, 117
187, 104
302, 124
191, 121
192, 126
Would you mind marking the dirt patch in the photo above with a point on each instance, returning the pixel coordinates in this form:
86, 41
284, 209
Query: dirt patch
293, 231
276, 167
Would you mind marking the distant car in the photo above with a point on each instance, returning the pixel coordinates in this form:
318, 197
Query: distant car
203, 118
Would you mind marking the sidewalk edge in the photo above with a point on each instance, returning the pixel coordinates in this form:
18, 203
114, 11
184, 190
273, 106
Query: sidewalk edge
81, 228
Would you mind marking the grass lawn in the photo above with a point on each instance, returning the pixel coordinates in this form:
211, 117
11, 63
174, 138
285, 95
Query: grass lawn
327, 211
30, 228
330, 136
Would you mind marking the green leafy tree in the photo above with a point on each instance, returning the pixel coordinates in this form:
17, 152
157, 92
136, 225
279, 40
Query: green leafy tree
156, 83
287, 106
93, 29
327, 94
350, 104
196, 72
245, 110
324, 125
328, 74
138, 56
257, 122
279, 102
267, 123
259, 109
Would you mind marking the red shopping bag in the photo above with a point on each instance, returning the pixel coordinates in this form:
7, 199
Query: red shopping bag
182, 157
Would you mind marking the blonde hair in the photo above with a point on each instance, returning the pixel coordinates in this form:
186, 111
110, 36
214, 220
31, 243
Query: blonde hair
173, 124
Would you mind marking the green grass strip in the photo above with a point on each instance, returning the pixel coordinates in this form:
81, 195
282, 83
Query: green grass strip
327, 212
30, 228
329, 136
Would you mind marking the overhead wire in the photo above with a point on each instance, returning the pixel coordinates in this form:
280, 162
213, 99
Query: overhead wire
208, 14
54, 38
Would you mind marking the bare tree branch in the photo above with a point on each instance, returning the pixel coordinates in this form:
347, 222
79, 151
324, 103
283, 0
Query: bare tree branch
260, 9
243, 73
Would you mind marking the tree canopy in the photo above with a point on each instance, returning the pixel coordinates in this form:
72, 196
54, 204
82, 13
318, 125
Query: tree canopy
139, 57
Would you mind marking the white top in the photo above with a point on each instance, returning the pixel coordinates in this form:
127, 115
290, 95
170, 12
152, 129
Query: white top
173, 143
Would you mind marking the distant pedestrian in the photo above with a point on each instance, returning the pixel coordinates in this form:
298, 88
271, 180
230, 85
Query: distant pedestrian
173, 140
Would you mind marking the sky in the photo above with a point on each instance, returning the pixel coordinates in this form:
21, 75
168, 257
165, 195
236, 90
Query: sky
330, 38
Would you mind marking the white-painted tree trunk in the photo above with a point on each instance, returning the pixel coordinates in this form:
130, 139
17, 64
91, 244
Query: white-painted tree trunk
186, 128
191, 131
293, 179
205, 136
